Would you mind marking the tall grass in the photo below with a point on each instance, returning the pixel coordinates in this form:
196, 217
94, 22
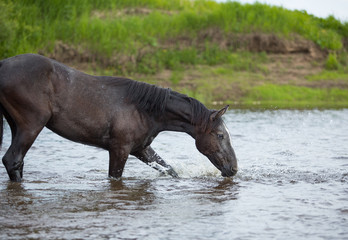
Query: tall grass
103, 27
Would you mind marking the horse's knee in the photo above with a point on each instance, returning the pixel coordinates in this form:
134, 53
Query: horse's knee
7, 162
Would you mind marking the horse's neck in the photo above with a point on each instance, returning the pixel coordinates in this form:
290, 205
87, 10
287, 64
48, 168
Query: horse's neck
177, 116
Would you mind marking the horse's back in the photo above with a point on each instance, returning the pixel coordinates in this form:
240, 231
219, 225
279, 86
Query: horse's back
26, 67
37, 78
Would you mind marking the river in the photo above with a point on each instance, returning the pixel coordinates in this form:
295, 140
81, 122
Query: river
292, 183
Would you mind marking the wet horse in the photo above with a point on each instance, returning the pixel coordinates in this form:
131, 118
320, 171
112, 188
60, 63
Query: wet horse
120, 115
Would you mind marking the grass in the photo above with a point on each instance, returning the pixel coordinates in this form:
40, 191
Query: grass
287, 96
28, 25
329, 75
335, 68
220, 83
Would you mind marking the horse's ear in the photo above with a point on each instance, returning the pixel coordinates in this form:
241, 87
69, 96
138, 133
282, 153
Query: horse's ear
217, 114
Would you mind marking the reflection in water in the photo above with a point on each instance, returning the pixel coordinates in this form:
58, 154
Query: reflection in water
219, 191
136, 195
16, 198
292, 183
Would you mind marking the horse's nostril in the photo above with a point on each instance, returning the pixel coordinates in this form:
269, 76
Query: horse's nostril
234, 170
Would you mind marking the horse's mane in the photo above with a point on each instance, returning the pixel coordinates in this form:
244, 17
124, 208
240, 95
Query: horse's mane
147, 97
200, 115
153, 99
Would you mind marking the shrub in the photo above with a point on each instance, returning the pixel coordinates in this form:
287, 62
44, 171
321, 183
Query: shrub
332, 62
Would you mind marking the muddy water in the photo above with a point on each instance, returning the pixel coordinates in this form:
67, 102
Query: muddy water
292, 183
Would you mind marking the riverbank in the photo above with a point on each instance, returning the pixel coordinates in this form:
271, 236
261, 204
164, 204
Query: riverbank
249, 79
269, 81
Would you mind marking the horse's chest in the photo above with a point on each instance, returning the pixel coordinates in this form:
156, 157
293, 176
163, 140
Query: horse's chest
148, 141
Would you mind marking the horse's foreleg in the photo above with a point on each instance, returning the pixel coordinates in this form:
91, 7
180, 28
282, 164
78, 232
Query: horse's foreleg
117, 161
151, 158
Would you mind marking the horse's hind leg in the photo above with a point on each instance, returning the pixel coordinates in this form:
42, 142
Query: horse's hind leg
13, 159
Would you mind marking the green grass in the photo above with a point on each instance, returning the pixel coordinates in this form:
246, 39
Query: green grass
329, 75
332, 62
336, 68
287, 96
32, 25
176, 77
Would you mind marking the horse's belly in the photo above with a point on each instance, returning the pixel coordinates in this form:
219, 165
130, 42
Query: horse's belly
84, 130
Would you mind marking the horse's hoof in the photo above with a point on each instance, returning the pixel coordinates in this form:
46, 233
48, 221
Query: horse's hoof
172, 173
15, 176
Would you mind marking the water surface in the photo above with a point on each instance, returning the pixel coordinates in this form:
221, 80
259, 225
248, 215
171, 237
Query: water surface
292, 183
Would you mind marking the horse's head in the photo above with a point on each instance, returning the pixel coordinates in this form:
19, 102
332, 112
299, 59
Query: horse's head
214, 142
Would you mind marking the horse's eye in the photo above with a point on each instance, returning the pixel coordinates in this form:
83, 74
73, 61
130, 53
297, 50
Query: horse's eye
220, 136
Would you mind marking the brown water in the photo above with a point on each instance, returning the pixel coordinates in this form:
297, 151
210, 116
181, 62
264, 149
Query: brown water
292, 183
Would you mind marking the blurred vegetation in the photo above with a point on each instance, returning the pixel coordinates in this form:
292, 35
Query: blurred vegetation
104, 27
142, 30
271, 95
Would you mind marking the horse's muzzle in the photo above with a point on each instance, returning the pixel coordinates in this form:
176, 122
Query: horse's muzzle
230, 173
234, 171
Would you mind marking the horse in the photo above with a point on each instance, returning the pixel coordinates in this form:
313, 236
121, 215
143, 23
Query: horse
120, 115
